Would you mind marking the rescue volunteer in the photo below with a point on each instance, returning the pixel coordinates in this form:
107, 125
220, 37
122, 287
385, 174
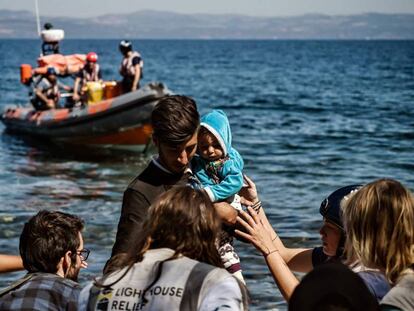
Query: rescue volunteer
170, 267
131, 67
90, 73
46, 91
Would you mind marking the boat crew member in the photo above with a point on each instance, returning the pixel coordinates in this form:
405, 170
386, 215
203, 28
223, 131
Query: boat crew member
49, 47
91, 72
46, 91
131, 67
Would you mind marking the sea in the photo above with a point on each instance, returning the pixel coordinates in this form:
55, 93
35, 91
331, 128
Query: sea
307, 117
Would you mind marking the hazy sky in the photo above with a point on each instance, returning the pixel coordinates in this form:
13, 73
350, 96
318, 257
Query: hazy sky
83, 8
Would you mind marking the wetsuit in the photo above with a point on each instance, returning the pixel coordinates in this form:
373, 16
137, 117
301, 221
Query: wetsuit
139, 195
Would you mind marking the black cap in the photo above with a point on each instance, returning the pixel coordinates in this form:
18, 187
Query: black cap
331, 206
48, 26
332, 286
125, 46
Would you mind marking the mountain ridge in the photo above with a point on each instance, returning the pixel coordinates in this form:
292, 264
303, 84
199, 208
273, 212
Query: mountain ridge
152, 24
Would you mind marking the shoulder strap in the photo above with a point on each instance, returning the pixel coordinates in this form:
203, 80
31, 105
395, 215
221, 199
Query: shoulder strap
17, 284
193, 286
245, 294
93, 297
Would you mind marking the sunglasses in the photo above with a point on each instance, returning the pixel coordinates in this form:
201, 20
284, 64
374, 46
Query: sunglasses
83, 254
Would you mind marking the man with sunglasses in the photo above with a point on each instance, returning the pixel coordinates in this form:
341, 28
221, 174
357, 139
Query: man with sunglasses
51, 247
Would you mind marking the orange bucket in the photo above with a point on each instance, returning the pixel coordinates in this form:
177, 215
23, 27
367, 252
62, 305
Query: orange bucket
111, 89
25, 73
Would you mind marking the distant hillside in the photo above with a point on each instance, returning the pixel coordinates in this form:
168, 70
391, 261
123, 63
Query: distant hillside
168, 25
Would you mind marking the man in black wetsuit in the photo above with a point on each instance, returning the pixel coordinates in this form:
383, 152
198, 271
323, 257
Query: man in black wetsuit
175, 122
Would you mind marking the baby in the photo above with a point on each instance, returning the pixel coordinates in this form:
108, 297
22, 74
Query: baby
218, 166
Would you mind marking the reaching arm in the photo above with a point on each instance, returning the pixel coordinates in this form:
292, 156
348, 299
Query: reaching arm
49, 102
261, 238
297, 259
76, 89
137, 76
9, 263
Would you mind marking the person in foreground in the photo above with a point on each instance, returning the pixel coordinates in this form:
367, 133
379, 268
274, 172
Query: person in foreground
385, 210
174, 264
175, 121
333, 287
51, 247
282, 260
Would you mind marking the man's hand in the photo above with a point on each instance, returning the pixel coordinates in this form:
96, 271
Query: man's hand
226, 212
50, 103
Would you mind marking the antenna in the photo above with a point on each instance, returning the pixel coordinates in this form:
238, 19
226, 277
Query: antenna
37, 18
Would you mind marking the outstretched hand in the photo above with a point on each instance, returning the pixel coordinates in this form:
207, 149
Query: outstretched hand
255, 232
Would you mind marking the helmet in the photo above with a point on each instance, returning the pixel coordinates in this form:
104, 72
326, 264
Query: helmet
125, 46
92, 57
331, 206
51, 71
48, 26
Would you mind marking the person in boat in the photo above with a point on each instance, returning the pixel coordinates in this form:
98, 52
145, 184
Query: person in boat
173, 265
51, 247
219, 167
49, 47
282, 260
175, 121
46, 91
131, 67
91, 72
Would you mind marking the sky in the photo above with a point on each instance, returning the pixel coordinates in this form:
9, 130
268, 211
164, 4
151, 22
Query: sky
86, 8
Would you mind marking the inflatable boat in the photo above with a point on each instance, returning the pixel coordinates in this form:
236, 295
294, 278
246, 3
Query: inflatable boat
122, 122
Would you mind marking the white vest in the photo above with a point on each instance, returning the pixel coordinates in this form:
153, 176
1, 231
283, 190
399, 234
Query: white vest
183, 284
127, 69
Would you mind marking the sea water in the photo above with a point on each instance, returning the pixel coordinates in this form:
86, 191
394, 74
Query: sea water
307, 117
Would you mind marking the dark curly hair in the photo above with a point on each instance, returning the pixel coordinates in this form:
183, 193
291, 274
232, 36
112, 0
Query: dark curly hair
45, 239
175, 119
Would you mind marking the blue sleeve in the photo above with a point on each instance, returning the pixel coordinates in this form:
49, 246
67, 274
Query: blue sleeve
198, 167
231, 176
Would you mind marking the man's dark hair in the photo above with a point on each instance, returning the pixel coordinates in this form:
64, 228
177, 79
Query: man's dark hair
45, 239
175, 119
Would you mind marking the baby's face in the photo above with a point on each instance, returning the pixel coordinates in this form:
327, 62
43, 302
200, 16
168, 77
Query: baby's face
208, 147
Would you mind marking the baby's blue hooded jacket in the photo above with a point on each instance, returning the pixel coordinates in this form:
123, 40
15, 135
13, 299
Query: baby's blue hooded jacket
230, 174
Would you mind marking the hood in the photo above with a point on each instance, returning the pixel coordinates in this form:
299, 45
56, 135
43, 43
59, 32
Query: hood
218, 124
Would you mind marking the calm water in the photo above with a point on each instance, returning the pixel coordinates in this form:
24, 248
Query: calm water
307, 117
